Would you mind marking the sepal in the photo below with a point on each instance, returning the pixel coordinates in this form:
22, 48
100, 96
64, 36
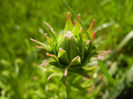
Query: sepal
69, 25
62, 55
75, 61
91, 28
77, 27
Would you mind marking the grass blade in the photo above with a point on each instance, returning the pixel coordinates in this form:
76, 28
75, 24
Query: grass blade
105, 72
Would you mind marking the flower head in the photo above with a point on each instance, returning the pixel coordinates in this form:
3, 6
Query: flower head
72, 49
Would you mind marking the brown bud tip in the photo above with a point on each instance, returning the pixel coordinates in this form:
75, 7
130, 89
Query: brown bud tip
79, 16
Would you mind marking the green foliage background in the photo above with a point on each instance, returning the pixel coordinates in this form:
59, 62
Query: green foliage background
21, 76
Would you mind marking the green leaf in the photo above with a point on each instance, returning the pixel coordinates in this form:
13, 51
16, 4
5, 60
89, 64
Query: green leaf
91, 28
54, 63
105, 72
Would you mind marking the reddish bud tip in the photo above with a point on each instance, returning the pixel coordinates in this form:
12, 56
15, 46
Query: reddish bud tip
91, 28
79, 16
93, 22
47, 54
75, 22
93, 36
94, 33
46, 34
68, 16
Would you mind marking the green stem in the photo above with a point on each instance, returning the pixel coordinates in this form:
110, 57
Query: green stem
67, 88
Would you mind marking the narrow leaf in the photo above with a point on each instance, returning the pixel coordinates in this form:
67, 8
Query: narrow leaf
42, 44
50, 42
53, 56
91, 28
53, 32
105, 72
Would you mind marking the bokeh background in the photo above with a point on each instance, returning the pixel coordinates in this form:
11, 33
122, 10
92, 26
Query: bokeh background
21, 76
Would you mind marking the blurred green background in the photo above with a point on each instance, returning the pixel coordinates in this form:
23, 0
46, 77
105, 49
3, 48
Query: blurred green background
21, 76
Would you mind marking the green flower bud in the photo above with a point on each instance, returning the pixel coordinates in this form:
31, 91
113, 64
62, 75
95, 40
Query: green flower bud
71, 50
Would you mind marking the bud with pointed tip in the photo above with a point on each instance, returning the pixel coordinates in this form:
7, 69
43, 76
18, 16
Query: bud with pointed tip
69, 25
91, 28
92, 37
72, 50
